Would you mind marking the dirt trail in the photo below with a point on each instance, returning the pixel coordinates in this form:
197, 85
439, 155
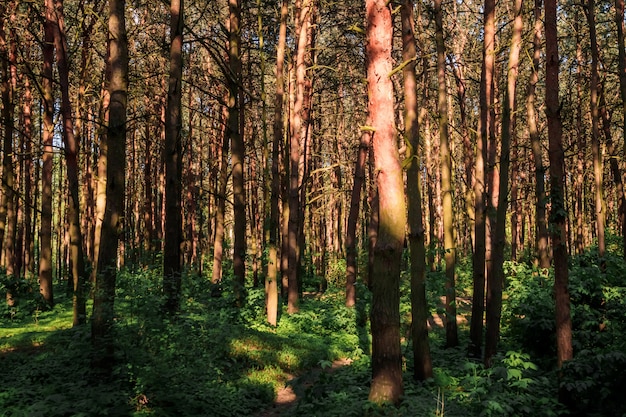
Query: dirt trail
286, 397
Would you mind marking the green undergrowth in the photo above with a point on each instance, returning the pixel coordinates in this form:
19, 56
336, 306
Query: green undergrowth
213, 359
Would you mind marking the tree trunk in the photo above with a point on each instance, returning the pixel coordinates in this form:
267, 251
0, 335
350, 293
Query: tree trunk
112, 223
423, 368
218, 243
271, 280
385, 315
621, 65
78, 271
172, 256
541, 236
496, 279
7, 202
238, 151
353, 216
45, 252
479, 258
558, 213
449, 244
303, 19
598, 165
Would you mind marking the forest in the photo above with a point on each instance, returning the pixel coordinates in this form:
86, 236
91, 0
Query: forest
312, 208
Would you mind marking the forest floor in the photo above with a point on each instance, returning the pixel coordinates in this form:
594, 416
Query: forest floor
287, 396
297, 385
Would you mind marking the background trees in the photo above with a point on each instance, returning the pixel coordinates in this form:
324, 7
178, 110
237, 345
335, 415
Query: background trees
191, 125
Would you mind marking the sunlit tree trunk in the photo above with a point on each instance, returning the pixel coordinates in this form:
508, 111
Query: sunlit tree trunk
447, 190
598, 165
45, 252
238, 151
78, 271
558, 211
486, 102
423, 368
271, 280
112, 223
303, 20
541, 233
496, 279
220, 211
385, 315
172, 256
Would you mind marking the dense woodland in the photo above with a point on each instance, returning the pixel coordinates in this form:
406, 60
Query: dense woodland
385, 208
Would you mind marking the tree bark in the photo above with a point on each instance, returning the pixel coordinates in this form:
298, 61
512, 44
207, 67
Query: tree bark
621, 68
45, 254
78, 270
485, 122
496, 280
423, 368
598, 165
7, 202
271, 280
449, 244
172, 255
238, 151
558, 213
112, 223
541, 229
385, 315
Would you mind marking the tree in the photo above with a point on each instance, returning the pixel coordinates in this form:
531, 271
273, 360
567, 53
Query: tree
598, 165
485, 122
172, 257
45, 256
496, 279
385, 315
78, 271
271, 280
112, 223
535, 142
447, 190
238, 151
558, 211
303, 20
419, 306
621, 70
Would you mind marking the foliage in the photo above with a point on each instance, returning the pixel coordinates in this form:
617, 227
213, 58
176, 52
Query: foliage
25, 294
213, 358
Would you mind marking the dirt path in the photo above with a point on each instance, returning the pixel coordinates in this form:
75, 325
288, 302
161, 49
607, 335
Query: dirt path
286, 397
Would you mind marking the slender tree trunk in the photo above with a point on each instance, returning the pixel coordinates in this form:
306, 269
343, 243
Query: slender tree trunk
385, 315
541, 229
112, 223
218, 243
234, 130
496, 280
303, 19
172, 256
558, 213
621, 65
423, 368
78, 271
353, 215
479, 258
271, 280
7, 202
45, 254
452, 338
598, 169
